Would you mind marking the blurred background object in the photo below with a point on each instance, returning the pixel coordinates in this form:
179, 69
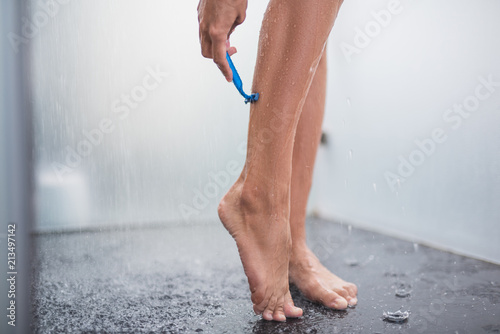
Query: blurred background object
16, 175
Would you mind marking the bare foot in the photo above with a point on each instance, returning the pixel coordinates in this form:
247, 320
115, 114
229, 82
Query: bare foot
317, 283
264, 244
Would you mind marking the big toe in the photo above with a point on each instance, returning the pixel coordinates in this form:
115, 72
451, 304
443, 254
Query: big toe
340, 303
334, 300
291, 311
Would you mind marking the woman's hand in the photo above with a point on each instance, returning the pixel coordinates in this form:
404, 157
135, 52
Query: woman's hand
217, 19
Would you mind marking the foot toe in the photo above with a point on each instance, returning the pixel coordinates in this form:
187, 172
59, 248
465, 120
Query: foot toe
352, 288
291, 311
257, 309
339, 303
331, 299
352, 297
267, 315
269, 311
342, 292
279, 314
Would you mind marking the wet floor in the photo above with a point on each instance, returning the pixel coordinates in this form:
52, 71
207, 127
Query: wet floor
188, 279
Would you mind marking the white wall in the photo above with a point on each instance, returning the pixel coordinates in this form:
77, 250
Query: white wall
157, 155
396, 91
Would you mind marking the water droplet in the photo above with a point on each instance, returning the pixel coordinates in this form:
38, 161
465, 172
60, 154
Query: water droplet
397, 316
345, 183
375, 187
349, 229
415, 246
402, 292
350, 154
351, 262
349, 102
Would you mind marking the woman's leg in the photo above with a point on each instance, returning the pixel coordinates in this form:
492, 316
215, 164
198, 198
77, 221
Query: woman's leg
312, 278
256, 210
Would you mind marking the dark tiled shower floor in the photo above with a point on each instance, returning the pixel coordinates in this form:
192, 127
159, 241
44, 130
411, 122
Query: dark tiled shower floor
188, 279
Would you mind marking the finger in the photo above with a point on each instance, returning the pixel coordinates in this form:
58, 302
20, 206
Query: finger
232, 50
206, 49
219, 56
206, 45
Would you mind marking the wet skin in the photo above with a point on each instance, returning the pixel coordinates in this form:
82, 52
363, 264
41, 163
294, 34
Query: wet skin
264, 210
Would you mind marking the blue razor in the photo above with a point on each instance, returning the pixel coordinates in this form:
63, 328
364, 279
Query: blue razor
239, 84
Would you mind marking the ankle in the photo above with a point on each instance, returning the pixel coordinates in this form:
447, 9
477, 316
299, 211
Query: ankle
299, 250
258, 198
